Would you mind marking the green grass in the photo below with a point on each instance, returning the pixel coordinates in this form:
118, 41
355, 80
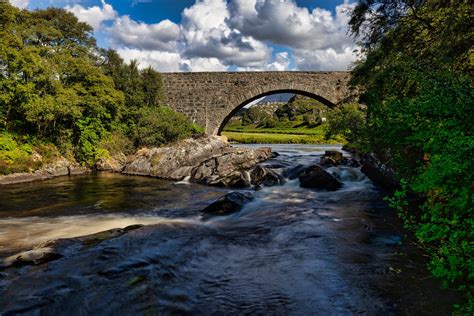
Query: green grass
278, 138
279, 135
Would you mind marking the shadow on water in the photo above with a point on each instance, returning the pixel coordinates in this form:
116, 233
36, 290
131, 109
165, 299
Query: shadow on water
290, 251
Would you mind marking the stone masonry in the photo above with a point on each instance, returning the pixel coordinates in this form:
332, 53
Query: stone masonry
210, 99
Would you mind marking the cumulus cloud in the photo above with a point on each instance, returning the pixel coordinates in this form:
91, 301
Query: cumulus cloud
94, 16
281, 62
162, 61
284, 23
206, 34
328, 59
202, 64
216, 35
22, 4
162, 36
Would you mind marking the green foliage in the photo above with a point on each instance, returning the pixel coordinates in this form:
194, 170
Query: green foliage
256, 115
347, 120
300, 106
432, 143
91, 132
417, 73
160, 125
57, 86
24, 155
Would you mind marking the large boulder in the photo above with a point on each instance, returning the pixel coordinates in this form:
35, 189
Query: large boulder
231, 168
207, 160
229, 203
112, 164
316, 177
380, 173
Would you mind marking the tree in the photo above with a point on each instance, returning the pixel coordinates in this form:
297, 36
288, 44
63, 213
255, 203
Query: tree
417, 74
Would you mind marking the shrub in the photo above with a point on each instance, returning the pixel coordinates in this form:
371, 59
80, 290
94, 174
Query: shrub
347, 120
159, 125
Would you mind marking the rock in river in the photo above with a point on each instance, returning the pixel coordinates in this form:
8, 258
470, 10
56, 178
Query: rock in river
316, 177
207, 160
229, 203
380, 173
264, 176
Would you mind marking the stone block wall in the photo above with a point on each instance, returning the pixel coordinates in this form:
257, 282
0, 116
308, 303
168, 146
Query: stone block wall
211, 98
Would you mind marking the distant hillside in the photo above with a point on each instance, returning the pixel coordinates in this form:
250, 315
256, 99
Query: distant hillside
280, 98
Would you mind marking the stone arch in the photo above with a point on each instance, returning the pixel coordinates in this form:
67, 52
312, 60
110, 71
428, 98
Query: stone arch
271, 92
208, 98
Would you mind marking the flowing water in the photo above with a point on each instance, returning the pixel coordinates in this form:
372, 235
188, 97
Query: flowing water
291, 251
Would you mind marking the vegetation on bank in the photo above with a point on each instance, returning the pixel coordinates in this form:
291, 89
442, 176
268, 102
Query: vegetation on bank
61, 95
417, 73
300, 120
278, 138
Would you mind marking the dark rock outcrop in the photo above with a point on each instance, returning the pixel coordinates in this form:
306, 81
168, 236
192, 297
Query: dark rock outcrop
381, 174
294, 172
316, 177
263, 176
231, 168
207, 160
229, 203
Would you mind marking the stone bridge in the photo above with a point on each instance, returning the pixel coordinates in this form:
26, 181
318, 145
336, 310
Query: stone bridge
210, 99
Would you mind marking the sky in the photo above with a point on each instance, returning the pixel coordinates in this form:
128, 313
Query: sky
219, 35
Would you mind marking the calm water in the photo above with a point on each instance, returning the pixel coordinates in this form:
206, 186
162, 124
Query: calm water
290, 251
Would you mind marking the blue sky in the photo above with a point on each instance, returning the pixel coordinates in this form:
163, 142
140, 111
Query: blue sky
219, 35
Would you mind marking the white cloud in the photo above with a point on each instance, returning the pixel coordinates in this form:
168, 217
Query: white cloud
94, 16
284, 23
217, 34
206, 34
282, 62
203, 64
328, 59
22, 4
161, 61
162, 36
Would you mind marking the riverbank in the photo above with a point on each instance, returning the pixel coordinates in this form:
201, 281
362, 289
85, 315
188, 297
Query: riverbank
205, 159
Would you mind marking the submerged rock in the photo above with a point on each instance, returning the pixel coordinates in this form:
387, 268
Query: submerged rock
31, 257
316, 177
229, 203
59, 248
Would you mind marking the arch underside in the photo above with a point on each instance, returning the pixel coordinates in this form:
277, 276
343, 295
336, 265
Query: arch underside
271, 92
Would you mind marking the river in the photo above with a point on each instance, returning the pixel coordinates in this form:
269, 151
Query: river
291, 251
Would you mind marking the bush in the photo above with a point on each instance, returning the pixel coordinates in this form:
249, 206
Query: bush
160, 125
347, 120
16, 156
116, 143
429, 137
